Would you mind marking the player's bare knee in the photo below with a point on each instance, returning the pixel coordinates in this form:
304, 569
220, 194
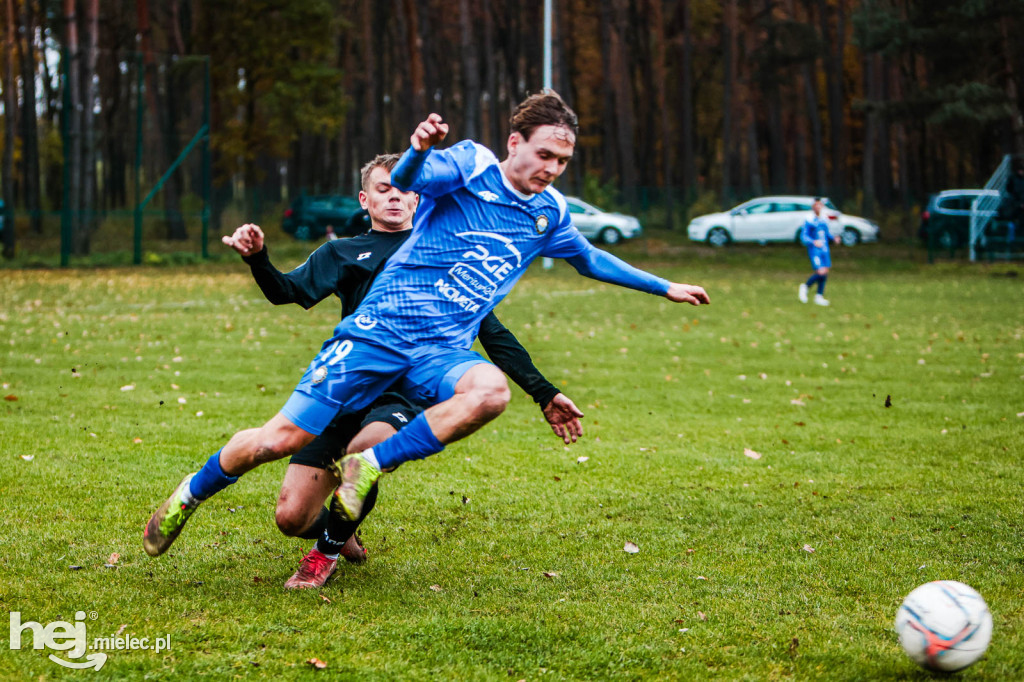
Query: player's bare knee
290, 520
490, 401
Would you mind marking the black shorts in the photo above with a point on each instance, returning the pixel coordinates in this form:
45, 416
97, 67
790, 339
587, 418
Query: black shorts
390, 408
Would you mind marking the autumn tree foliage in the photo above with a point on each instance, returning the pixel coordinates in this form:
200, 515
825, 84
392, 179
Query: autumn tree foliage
875, 102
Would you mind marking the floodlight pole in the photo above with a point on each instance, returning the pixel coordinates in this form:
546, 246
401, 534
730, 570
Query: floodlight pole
547, 263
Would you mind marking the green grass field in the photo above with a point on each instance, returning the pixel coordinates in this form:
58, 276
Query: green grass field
502, 558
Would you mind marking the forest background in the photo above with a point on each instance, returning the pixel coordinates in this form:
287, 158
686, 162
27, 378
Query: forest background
685, 105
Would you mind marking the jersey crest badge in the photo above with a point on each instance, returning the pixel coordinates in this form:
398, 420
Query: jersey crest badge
365, 322
542, 224
319, 374
488, 196
364, 255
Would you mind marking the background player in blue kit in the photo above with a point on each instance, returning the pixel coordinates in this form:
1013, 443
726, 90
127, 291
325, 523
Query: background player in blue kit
479, 226
815, 236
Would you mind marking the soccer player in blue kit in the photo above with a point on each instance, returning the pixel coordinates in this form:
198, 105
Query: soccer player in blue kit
479, 225
815, 236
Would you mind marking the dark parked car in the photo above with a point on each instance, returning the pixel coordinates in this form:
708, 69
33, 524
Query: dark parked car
946, 221
308, 216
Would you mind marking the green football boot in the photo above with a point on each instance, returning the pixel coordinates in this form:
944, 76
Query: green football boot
357, 477
167, 521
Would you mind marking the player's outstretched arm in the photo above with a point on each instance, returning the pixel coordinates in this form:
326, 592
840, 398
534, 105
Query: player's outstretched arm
247, 239
687, 293
564, 418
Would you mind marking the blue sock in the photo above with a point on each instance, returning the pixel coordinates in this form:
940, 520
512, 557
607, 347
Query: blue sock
210, 479
812, 279
821, 284
414, 441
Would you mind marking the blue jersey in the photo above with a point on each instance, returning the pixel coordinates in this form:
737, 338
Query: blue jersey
474, 235
814, 229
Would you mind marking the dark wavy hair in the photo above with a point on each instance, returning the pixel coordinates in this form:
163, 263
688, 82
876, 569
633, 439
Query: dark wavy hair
543, 108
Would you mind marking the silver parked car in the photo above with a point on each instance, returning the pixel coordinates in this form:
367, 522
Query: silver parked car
598, 225
776, 219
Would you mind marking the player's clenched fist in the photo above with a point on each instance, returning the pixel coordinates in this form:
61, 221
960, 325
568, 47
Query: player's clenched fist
429, 133
246, 240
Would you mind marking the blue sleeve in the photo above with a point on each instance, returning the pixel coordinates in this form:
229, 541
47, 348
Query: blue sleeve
435, 172
806, 238
603, 266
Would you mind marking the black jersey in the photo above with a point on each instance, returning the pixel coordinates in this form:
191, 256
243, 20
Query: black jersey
347, 268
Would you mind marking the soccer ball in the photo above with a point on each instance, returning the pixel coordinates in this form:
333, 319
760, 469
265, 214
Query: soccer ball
944, 625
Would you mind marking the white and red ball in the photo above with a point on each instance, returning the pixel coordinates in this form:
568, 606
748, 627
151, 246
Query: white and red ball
944, 625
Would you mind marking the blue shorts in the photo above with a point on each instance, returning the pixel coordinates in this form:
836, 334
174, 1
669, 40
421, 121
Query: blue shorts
357, 365
820, 258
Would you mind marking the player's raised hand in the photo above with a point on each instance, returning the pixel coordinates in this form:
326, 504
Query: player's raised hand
247, 239
564, 417
429, 133
687, 293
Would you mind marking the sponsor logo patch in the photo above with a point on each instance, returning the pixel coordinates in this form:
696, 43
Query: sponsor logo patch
364, 255
488, 196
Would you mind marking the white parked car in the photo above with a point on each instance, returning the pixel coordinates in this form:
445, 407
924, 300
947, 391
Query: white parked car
597, 225
776, 219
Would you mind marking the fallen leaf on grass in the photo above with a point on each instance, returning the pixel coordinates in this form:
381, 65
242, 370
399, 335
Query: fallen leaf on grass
702, 615
888, 401
751, 453
120, 629
436, 588
631, 548
114, 558
317, 663
1020, 414
129, 387
10, 398
28, 458
582, 459
797, 401
325, 599
136, 440
550, 574
808, 549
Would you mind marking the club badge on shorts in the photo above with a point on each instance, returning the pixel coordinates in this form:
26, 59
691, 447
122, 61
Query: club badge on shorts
319, 374
542, 224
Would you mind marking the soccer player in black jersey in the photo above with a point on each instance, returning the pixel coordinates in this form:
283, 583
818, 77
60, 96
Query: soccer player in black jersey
346, 268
